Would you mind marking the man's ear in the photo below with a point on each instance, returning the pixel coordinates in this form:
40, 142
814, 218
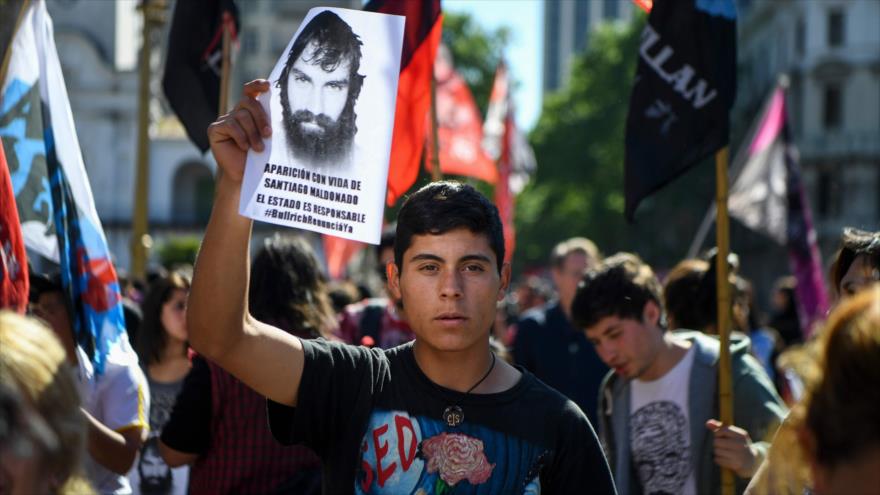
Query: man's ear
393, 274
651, 313
505, 281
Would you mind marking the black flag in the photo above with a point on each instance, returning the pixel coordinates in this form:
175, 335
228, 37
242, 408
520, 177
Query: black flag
193, 64
684, 87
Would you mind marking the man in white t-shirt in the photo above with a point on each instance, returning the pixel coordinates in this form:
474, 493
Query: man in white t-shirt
658, 404
115, 404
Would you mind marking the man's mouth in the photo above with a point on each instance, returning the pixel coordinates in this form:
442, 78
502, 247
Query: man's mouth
451, 318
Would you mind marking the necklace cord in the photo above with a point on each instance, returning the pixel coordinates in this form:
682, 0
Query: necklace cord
491, 367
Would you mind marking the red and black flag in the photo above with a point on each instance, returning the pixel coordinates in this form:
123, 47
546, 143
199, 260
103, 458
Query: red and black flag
421, 38
684, 88
193, 64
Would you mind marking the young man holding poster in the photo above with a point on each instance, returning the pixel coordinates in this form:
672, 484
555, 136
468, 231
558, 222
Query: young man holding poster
437, 414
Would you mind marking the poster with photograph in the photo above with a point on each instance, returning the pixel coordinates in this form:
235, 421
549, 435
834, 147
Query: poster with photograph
331, 106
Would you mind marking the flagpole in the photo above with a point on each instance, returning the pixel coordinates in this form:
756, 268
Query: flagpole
140, 240
436, 174
227, 64
722, 235
7, 56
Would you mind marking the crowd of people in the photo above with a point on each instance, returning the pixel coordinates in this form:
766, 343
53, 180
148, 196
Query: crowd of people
599, 377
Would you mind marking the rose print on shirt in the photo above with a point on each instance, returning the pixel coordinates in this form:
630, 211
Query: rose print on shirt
456, 457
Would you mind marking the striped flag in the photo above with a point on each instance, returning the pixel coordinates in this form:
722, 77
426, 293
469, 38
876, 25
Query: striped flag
768, 196
55, 204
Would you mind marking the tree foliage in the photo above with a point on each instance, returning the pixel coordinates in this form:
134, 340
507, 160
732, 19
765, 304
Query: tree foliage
476, 52
579, 145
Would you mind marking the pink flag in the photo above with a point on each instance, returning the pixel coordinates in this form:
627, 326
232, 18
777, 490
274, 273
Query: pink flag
768, 196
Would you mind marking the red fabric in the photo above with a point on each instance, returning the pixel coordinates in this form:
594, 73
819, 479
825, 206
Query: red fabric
420, 40
644, 4
499, 120
13, 259
503, 196
243, 456
338, 252
460, 127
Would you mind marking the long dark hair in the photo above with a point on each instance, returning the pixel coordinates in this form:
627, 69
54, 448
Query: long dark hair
288, 289
152, 338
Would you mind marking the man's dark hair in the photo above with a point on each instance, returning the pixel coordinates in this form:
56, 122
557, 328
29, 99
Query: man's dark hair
854, 243
336, 44
620, 286
441, 207
289, 290
152, 334
690, 294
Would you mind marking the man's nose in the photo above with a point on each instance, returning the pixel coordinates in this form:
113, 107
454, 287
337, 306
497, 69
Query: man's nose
451, 284
606, 352
316, 101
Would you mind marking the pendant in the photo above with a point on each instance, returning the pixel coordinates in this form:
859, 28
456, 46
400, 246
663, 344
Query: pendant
453, 415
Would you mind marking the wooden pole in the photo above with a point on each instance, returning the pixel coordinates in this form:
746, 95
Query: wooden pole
725, 387
141, 242
436, 174
7, 55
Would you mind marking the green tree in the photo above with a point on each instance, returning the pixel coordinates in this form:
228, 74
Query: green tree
180, 250
579, 145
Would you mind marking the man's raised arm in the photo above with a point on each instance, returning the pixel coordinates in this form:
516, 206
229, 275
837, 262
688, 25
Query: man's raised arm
220, 327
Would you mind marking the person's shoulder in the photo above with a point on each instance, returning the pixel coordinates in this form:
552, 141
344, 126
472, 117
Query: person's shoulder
341, 350
395, 354
539, 392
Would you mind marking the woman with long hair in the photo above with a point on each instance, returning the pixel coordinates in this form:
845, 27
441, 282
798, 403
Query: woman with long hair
162, 349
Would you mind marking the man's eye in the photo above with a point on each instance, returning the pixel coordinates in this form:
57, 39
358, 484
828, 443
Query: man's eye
338, 86
474, 268
429, 268
301, 79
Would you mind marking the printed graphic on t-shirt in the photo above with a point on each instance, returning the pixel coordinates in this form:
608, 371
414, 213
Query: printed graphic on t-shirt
417, 455
660, 449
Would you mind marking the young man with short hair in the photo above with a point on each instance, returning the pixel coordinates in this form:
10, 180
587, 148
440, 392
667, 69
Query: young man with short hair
659, 403
437, 414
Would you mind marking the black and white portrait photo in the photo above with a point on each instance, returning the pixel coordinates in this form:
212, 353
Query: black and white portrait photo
318, 88
331, 103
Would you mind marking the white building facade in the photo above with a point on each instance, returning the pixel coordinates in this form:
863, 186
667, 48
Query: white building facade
830, 50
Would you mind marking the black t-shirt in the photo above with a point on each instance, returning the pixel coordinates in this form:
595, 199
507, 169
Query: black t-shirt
377, 422
189, 427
